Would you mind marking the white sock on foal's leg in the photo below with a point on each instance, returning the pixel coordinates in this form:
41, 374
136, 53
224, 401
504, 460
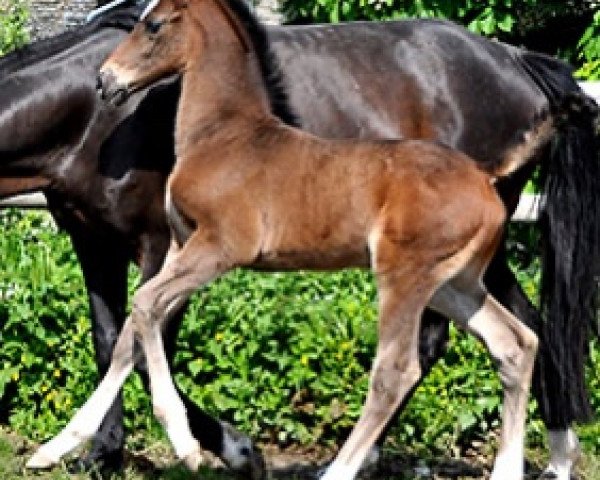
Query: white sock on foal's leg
509, 462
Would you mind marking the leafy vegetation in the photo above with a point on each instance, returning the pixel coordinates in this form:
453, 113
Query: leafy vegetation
589, 50
13, 15
284, 356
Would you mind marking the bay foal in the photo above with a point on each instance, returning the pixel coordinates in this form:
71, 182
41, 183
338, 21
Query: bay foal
249, 191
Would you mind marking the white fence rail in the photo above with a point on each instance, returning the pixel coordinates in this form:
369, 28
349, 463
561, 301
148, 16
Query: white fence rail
527, 211
31, 200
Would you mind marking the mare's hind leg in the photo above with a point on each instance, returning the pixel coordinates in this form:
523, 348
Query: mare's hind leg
395, 369
513, 346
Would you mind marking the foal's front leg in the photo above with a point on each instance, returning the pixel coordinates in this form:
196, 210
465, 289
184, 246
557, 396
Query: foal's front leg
234, 448
195, 264
89, 417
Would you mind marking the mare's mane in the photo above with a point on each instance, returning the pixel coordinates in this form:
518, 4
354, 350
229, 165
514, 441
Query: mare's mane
269, 66
123, 17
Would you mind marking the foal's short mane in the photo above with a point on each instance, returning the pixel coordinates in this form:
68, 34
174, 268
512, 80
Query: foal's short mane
122, 18
269, 66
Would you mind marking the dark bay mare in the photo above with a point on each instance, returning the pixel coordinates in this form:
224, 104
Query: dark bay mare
103, 169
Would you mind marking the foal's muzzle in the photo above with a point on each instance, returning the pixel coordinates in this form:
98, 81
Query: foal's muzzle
110, 89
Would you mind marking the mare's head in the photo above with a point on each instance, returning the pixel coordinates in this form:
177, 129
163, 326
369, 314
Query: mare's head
158, 46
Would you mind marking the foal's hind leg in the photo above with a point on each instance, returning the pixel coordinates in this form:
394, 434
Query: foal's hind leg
513, 346
395, 369
563, 442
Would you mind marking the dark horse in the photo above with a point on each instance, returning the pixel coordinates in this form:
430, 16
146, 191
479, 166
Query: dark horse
103, 169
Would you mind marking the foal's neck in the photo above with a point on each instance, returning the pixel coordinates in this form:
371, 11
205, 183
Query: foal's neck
221, 87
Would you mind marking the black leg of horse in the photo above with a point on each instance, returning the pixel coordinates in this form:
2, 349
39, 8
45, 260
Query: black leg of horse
104, 268
503, 285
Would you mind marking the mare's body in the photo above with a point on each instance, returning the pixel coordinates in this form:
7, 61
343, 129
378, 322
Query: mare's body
394, 82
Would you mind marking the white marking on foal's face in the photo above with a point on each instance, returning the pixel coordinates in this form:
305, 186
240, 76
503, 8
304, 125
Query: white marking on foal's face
124, 76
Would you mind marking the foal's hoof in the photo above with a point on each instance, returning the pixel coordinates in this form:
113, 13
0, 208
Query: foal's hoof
240, 455
41, 460
193, 460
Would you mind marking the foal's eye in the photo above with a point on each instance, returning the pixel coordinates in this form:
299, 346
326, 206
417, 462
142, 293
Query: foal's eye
152, 26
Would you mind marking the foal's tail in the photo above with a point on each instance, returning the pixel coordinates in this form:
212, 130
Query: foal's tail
570, 223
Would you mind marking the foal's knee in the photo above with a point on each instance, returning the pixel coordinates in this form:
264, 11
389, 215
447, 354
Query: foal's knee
390, 382
143, 313
516, 361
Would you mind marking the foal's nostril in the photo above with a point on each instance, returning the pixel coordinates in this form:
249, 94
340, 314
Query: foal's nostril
110, 89
104, 83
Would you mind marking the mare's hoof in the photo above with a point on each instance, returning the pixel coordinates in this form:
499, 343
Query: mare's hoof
257, 468
240, 455
547, 475
100, 465
552, 475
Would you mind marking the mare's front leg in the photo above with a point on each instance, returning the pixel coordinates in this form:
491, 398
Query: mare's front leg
563, 442
86, 422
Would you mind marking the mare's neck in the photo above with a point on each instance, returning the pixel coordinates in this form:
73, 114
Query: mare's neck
221, 87
50, 99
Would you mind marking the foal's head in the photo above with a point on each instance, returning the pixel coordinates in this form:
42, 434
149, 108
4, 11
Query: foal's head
158, 46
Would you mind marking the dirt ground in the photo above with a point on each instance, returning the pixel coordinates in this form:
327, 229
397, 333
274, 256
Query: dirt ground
157, 462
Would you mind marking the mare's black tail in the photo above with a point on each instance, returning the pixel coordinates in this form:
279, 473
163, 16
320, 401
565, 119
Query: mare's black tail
570, 221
